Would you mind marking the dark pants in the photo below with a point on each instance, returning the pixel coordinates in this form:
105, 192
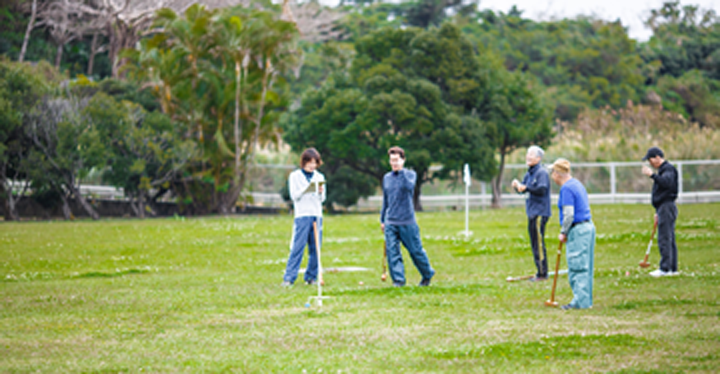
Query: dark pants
409, 235
537, 242
667, 214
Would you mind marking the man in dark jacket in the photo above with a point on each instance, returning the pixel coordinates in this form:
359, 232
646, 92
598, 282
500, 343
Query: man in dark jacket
397, 221
536, 184
664, 194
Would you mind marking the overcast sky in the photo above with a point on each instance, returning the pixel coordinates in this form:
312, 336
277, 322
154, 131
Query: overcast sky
631, 12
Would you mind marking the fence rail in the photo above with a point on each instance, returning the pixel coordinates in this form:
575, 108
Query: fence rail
607, 182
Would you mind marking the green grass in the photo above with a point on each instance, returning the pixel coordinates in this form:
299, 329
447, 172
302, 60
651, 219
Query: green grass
204, 295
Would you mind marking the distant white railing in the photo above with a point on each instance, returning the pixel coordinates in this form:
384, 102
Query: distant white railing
599, 191
612, 195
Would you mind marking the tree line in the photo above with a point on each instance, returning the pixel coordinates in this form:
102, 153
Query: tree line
163, 100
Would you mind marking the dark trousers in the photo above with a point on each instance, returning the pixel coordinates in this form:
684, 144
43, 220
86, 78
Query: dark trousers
536, 228
667, 215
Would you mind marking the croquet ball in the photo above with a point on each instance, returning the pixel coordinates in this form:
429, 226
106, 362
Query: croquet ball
307, 305
383, 277
361, 283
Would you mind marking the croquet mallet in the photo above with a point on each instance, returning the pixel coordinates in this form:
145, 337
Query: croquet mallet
644, 263
552, 301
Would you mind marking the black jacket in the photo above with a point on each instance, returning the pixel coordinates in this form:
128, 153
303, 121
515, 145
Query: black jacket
538, 186
665, 188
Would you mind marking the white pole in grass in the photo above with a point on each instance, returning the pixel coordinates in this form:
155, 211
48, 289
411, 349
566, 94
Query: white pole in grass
317, 227
466, 179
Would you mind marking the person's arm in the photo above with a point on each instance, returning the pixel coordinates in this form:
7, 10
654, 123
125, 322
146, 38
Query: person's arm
384, 205
667, 179
297, 184
408, 179
543, 183
568, 217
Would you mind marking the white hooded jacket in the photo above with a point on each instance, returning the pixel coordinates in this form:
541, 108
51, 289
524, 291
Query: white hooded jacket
306, 204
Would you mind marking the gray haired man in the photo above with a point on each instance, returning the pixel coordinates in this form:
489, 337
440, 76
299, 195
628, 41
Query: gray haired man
536, 184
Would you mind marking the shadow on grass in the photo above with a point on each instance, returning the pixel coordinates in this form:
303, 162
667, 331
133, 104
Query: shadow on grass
558, 347
44, 276
113, 274
630, 305
411, 290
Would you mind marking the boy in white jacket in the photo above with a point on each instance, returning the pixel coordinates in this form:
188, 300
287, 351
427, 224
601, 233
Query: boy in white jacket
308, 192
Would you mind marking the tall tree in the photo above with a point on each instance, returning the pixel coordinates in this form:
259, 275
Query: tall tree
21, 88
519, 118
31, 25
57, 130
189, 64
415, 88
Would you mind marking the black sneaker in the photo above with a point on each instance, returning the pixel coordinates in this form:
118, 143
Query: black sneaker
538, 279
311, 282
424, 282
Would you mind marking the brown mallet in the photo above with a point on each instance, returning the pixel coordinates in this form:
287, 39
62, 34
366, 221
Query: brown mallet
644, 263
552, 302
383, 277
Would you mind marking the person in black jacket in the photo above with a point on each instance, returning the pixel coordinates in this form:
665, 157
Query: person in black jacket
664, 194
536, 184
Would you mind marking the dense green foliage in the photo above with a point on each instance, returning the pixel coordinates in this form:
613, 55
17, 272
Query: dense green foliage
204, 295
427, 91
450, 82
219, 76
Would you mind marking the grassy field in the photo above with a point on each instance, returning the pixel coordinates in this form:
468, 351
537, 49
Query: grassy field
204, 295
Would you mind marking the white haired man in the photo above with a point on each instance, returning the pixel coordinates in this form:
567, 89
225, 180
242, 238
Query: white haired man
536, 184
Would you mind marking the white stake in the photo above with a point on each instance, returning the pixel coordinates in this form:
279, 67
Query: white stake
466, 179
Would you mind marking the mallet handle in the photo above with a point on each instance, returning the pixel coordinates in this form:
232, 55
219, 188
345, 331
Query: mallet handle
557, 271
644, 263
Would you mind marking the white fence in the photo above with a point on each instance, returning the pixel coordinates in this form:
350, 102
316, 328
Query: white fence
607, 183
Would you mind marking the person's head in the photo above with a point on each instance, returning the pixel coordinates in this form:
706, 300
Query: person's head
310, 160
397, 158
534, 155
560, 171
655, 157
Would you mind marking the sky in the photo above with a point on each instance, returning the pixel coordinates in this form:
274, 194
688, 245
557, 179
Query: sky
630, 12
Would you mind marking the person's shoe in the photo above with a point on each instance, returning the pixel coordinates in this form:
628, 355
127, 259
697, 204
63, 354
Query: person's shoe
286, 284
398, 284
568, 307
538, 279
659, 273
311, 282
673, 273
424, 282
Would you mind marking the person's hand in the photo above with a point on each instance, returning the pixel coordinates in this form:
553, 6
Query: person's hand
656, 219
647, 171
320, 189
562, 238
514, 183
382, 227
521, 187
